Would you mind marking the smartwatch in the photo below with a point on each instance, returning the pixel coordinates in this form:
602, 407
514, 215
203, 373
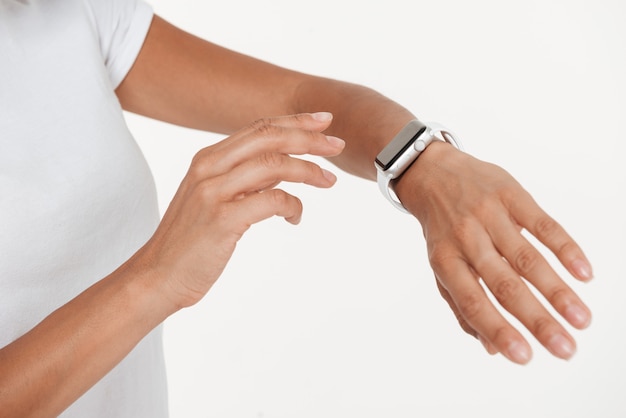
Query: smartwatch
403, 150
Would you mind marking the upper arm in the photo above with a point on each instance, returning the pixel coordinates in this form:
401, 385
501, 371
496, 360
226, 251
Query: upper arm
182, 79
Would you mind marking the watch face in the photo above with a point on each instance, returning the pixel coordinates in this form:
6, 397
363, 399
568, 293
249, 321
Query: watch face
399, 144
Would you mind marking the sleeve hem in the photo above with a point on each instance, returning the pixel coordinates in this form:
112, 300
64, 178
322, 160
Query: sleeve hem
140, 25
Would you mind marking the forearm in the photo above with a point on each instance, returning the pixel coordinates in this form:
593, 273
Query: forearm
188, 81
364, 118
48, 368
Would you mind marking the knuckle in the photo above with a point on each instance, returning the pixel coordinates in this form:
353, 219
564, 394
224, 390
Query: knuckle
300, 117
271, 160
195, 171
542, 326
470, 306
206, 192
279, 198
257, 124
440, 257
559, 296
501, 334
264, 127
568, 248
546, 227
525, 260
312, 170
199, 163
507, 290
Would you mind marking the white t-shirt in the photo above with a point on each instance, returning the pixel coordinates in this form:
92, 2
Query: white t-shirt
77, 198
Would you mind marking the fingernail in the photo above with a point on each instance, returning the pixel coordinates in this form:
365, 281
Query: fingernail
322, 116
519, 352
582, 270
561, 346
329, 176
577, 316
336, 142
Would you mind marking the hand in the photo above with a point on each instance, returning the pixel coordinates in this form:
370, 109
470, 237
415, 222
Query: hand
472, 214
229, 187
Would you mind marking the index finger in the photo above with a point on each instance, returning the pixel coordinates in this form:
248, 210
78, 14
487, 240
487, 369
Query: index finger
270, 126
282, 135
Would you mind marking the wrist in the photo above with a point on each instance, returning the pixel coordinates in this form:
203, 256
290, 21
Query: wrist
422, 180
147, 290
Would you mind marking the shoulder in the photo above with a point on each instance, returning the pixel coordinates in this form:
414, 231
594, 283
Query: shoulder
121, 27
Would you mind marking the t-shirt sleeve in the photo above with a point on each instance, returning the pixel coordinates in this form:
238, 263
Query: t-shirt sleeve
122, 26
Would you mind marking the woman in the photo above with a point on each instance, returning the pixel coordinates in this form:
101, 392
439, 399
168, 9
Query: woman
88, 273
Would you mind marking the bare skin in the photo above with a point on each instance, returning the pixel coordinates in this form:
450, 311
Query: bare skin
471, 213
229, 187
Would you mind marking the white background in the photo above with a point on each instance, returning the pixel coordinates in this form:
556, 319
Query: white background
340, 316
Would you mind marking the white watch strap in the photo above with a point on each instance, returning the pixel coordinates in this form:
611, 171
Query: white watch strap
387, 191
